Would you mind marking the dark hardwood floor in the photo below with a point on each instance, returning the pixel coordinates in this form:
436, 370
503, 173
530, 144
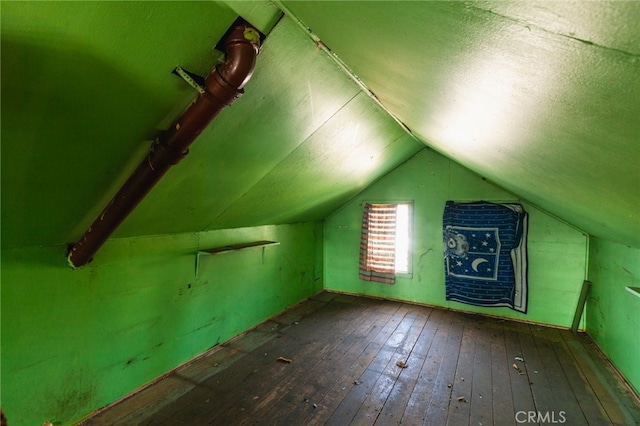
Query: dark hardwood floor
362, 361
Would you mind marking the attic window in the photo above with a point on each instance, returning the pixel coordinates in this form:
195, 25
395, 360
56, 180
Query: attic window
385, 242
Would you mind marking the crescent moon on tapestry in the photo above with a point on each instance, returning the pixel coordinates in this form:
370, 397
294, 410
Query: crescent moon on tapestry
475, 263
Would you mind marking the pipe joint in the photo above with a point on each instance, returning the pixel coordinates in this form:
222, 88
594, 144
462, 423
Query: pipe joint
162, 155
242, 46
221, 90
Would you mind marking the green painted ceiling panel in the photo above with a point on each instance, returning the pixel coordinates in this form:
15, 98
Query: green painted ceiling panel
295, 90
542, 98
85, 85
333, 164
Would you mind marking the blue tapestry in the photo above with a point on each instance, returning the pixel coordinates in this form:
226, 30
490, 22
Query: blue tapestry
485, 254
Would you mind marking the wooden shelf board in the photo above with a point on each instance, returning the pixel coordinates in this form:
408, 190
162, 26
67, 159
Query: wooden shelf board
233, 247
634, 290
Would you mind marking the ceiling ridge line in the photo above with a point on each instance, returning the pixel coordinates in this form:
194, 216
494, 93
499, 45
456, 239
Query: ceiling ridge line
340, 63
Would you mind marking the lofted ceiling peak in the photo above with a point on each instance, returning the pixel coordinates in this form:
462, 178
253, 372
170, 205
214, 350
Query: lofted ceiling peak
540, 98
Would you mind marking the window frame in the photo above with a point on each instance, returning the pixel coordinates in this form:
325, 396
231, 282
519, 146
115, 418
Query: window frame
410, 231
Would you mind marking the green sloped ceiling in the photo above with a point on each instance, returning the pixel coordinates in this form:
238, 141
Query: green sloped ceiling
86, 86
542, 98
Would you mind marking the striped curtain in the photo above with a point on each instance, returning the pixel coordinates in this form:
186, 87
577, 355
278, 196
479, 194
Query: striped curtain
378, 243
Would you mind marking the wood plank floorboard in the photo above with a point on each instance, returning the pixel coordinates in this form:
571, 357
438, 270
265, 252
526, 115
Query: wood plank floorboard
365, 361
354, 364
429, 355
522, 396
501, 394
398, 398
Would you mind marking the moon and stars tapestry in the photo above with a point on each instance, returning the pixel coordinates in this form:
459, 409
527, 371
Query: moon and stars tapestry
485, 254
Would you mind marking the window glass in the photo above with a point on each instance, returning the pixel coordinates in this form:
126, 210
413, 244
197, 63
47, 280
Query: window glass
403, 238
385, 245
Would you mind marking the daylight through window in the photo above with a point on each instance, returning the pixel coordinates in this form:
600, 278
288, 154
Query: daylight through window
402, 239
385, 243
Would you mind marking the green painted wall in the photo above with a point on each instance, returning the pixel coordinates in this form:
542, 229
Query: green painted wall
613, 313
557, 252
75, 340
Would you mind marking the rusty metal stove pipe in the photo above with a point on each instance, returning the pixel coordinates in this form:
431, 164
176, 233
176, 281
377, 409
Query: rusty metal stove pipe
222, 87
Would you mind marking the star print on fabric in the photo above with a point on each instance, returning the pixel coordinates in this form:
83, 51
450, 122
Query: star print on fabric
472, 252
485, 254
